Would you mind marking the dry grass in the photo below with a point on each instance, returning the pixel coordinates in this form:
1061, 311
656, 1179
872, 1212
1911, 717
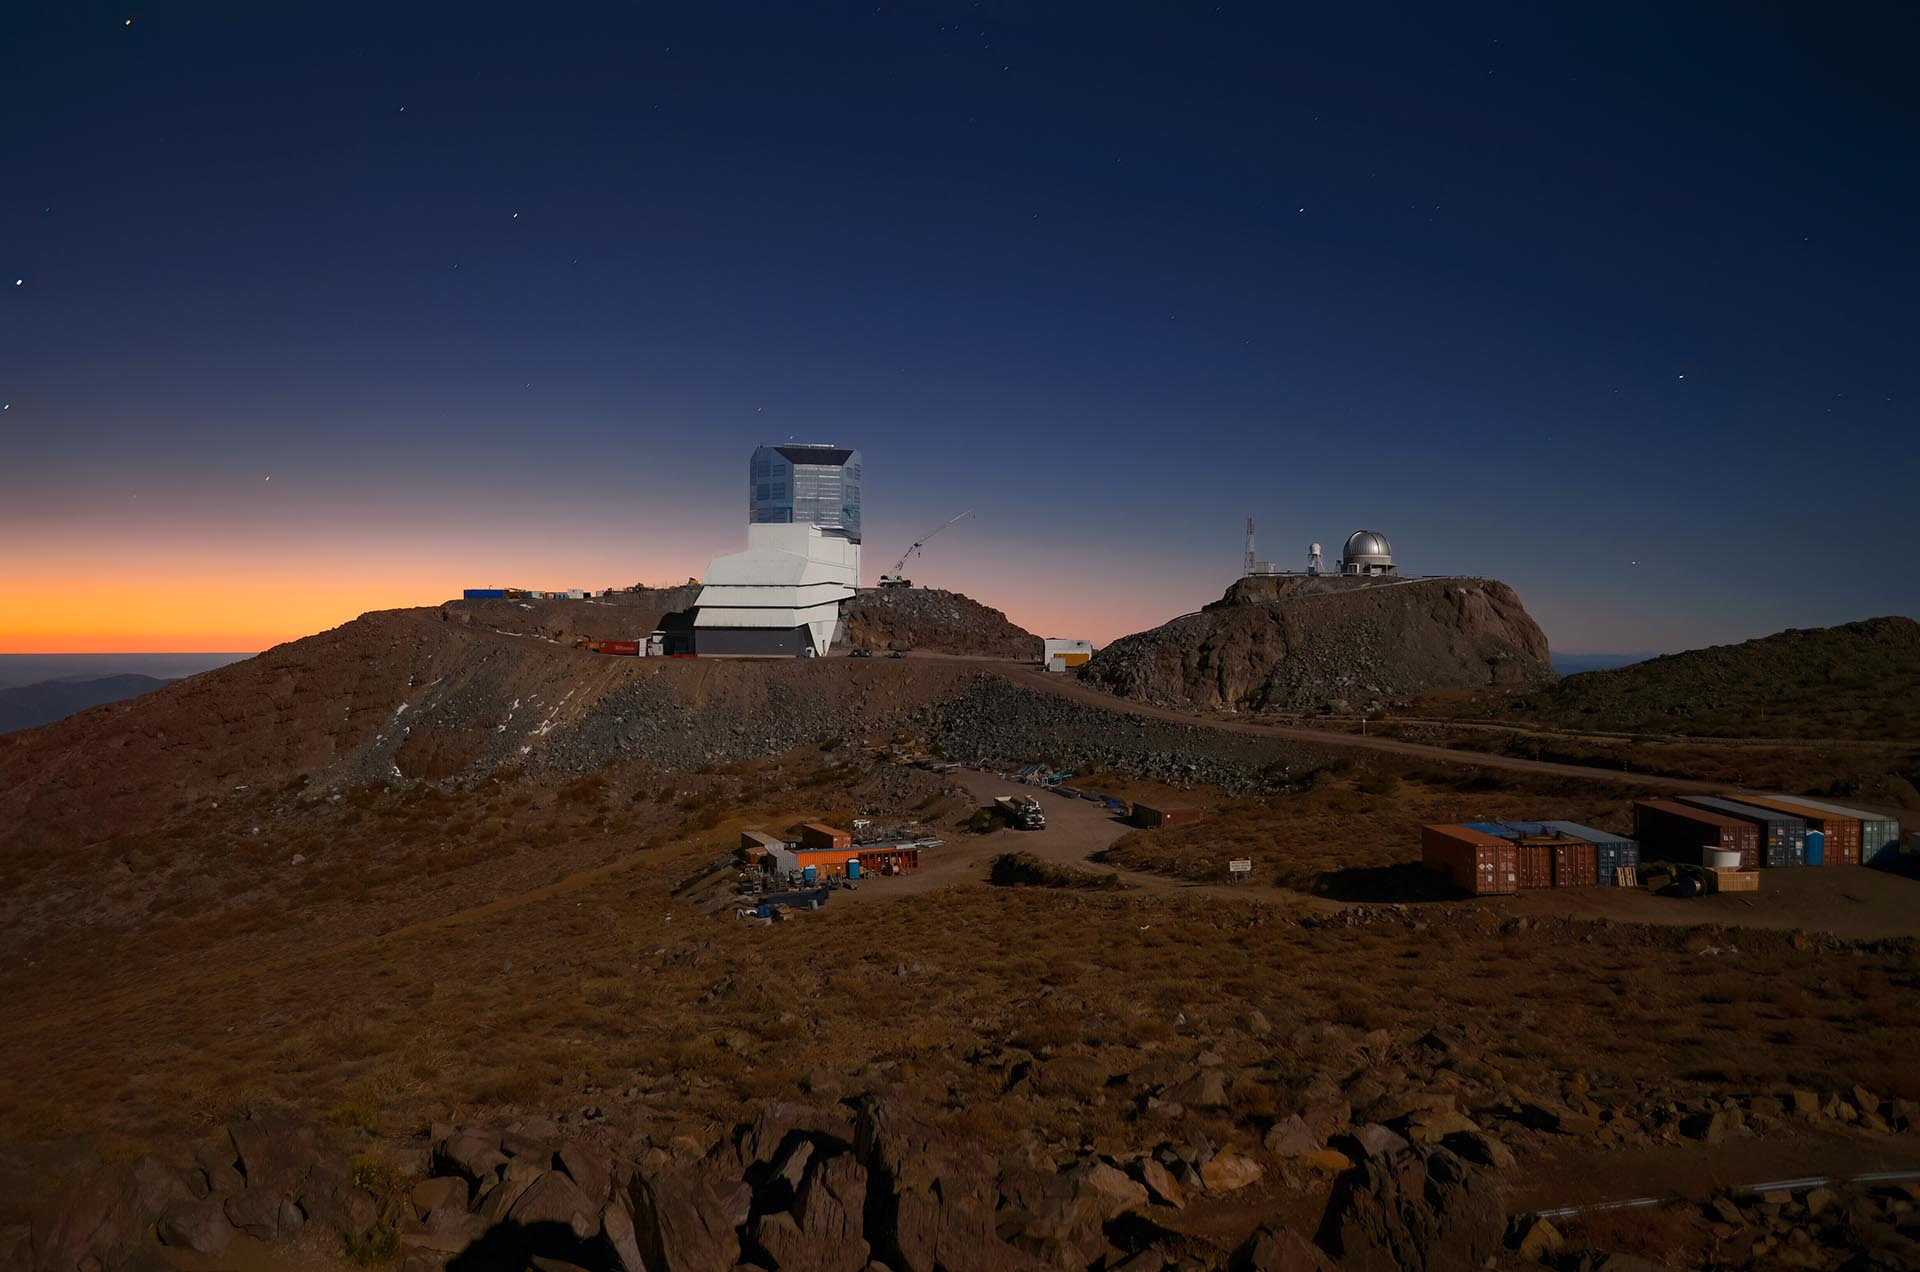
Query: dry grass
1009, 1008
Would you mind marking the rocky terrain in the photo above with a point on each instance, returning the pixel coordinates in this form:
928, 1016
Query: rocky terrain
627, 615
934, 621
409, 909
1296, 644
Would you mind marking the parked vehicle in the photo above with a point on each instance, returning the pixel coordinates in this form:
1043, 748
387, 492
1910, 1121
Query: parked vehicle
1022, 811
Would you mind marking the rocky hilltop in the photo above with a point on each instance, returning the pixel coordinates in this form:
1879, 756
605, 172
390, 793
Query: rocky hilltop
1287, 643
934, 621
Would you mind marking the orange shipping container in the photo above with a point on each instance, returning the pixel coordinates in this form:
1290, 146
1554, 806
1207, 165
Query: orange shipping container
1477, 863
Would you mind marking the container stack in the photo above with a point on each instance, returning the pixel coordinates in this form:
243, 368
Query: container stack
1879, 835
1838, 834
1546, 858
1672, 831
1616, 858
1783, 837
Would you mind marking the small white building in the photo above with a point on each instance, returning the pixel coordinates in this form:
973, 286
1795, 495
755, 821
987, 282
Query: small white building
1063, 655
780, 597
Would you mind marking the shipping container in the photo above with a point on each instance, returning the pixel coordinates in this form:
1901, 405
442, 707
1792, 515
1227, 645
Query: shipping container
485, 593
1149, 817
1783, 837
759, 841
1839, 833
1474, 862
1879, 833
1610, 851
1575, 863
1672, 831
817, 836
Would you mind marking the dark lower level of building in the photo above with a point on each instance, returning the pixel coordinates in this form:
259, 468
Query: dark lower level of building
753, 642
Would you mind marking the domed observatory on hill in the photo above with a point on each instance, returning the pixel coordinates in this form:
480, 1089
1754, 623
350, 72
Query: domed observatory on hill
1367, 552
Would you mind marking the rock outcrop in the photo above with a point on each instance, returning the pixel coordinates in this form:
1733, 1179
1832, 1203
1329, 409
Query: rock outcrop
1298, 644
932, 621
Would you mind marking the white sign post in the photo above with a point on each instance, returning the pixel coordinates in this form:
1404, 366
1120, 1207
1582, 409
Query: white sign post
1239, 868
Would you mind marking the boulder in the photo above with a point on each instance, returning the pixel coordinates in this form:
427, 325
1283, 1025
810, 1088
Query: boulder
1422, 1210
470, 1152
1161, 1185
439, 1193
554, 1198
518, 1176
274, 1152
683, 1219
931, 1196
535, 1137
616, 1224
197, 1225
216, 1171
1291, 1137
589, 1165
823, 1231
1541, 1240
1057, 1218
1281, 1250
1116, 1192
1375, 1140
1229, 1171
1206, 1089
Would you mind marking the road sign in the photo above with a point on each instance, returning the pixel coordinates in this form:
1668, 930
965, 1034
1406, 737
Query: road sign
1240, 866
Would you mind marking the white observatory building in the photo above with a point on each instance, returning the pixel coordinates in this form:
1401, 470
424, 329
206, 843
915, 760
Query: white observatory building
782, 596
1367, 552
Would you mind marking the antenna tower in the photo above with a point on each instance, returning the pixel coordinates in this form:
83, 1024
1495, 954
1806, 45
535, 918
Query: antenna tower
1247, 571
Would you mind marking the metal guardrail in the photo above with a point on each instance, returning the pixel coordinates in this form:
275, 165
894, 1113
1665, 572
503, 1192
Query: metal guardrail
1802, 1184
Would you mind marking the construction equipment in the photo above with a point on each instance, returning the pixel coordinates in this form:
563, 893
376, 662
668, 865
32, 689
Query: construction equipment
897, 579
1021, 811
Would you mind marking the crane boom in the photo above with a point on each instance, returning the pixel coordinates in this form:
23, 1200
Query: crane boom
895, 579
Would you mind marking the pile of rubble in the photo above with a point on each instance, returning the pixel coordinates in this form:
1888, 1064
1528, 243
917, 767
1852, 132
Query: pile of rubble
996, 724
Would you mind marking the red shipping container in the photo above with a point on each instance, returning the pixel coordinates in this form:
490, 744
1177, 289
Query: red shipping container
1477, 863
1576, 864
631, 647
1536, 864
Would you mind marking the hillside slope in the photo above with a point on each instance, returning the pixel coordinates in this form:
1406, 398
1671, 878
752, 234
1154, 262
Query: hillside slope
1857, 681
1307, 644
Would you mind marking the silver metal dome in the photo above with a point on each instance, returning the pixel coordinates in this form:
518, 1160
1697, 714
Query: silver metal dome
1368, 546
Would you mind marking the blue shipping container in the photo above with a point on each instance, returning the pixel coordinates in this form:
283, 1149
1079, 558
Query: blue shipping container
485, 594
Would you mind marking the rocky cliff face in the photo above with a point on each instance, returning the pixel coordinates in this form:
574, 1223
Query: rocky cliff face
937, 622
1313, 644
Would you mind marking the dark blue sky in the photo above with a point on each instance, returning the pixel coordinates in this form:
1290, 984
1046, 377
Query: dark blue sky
1619, 304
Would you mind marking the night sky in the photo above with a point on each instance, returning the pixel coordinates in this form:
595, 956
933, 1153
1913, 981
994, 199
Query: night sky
328, 307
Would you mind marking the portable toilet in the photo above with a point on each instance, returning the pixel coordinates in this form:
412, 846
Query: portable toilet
1816, 848
810, 875
853, 867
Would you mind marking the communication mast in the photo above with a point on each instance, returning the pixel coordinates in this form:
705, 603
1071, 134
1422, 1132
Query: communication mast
1247, 572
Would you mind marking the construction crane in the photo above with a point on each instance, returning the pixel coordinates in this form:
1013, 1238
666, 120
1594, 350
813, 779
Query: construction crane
897, 579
